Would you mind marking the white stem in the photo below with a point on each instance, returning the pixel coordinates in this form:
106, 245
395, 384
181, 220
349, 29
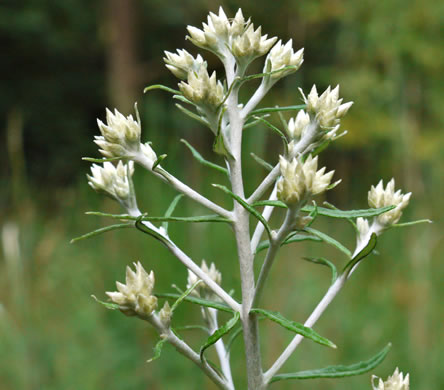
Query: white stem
183, 348
182, 187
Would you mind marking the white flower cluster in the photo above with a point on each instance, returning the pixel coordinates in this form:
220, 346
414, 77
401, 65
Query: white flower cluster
121, 137
182, 63
282, 56
112, 180
135, 297
395, 382
297, 126
202, 288
327, 108
380, 197
300, 180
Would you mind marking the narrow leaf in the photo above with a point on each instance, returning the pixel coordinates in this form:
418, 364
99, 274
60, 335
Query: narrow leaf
199, 158
187, 292
158, 161
198, 301
262, 162
100, 160
338, 371
362, 254
254, 122
289, 240
108, 305
261, 75
273, 128
329, 240
200, 218
162, 87
295, 327
333, 207
276, 109
157, 350
102, 230
246, 206
147, 230
113, 216
192, 115
274, 203
336, 213
171, 209
328, 263
184, 100
405, 224
219, 333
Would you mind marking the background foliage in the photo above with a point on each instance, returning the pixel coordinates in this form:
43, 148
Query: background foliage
64, 61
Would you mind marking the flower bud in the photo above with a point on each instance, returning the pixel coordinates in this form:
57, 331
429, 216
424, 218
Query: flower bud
297, 126
379, 197
327, 109
251, 44
202, 288
282, 56
300, 180
112, 180
203, 89
395, 382
135, 297
182, 63
165, 315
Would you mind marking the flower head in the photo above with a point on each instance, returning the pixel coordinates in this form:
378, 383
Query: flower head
327, 109
112, 180
282, 56
380, 197
300, 180
135, 297
297, 126
182, 63
251, 43
395, 382
202, 288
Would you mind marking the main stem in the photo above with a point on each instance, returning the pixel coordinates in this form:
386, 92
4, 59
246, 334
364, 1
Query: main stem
242, 233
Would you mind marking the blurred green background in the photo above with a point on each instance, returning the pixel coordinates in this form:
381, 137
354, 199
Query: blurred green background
63, 62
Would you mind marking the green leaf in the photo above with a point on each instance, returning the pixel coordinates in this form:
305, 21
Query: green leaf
219, 333
328, 263
100, 160
261, 75
336, 213
261, 162
350, 220
246, 206
192, 115
187, 292
295, 327
254, 122
338, 371
102, 230
147, 230
108, 305
274, 203
276, 109
329, 240
163, 88
170, 210
197, 219
114, 216
412, 223
158, 161
233, 337
157, 350
289, 240
198, 301
362, 254
199, 158
275, 129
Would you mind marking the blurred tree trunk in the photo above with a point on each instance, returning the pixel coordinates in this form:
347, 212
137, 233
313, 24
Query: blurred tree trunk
123, 67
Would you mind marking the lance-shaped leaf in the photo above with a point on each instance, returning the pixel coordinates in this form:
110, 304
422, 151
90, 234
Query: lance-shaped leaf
265, 74
198, 301
103, 230
204, 162
158, 161
338, 371
329, 240
336, 213
157, 350
261, 162
289, 240
170, 210
197, 219
246, 206
163, 88
108, 305
193, 115
274, 203
219, 333
113, 216
185, 294
328, 263
152, 232
274, 129
100, 160
412, 223
295, 327
362, 254
267, 110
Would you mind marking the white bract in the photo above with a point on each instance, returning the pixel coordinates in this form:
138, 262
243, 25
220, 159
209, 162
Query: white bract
380, 197
182, 63
282, 56
297, 126
395, 382
300, 180
135, 297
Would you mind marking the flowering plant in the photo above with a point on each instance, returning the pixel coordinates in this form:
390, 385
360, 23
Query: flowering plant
292, 184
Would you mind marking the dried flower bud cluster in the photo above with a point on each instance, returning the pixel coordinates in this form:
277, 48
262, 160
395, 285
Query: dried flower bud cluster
327, 109
395, 382
112, 180
282, 56
380, 197
202, 288
182, 63
300, 180
203, 89
135, 297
